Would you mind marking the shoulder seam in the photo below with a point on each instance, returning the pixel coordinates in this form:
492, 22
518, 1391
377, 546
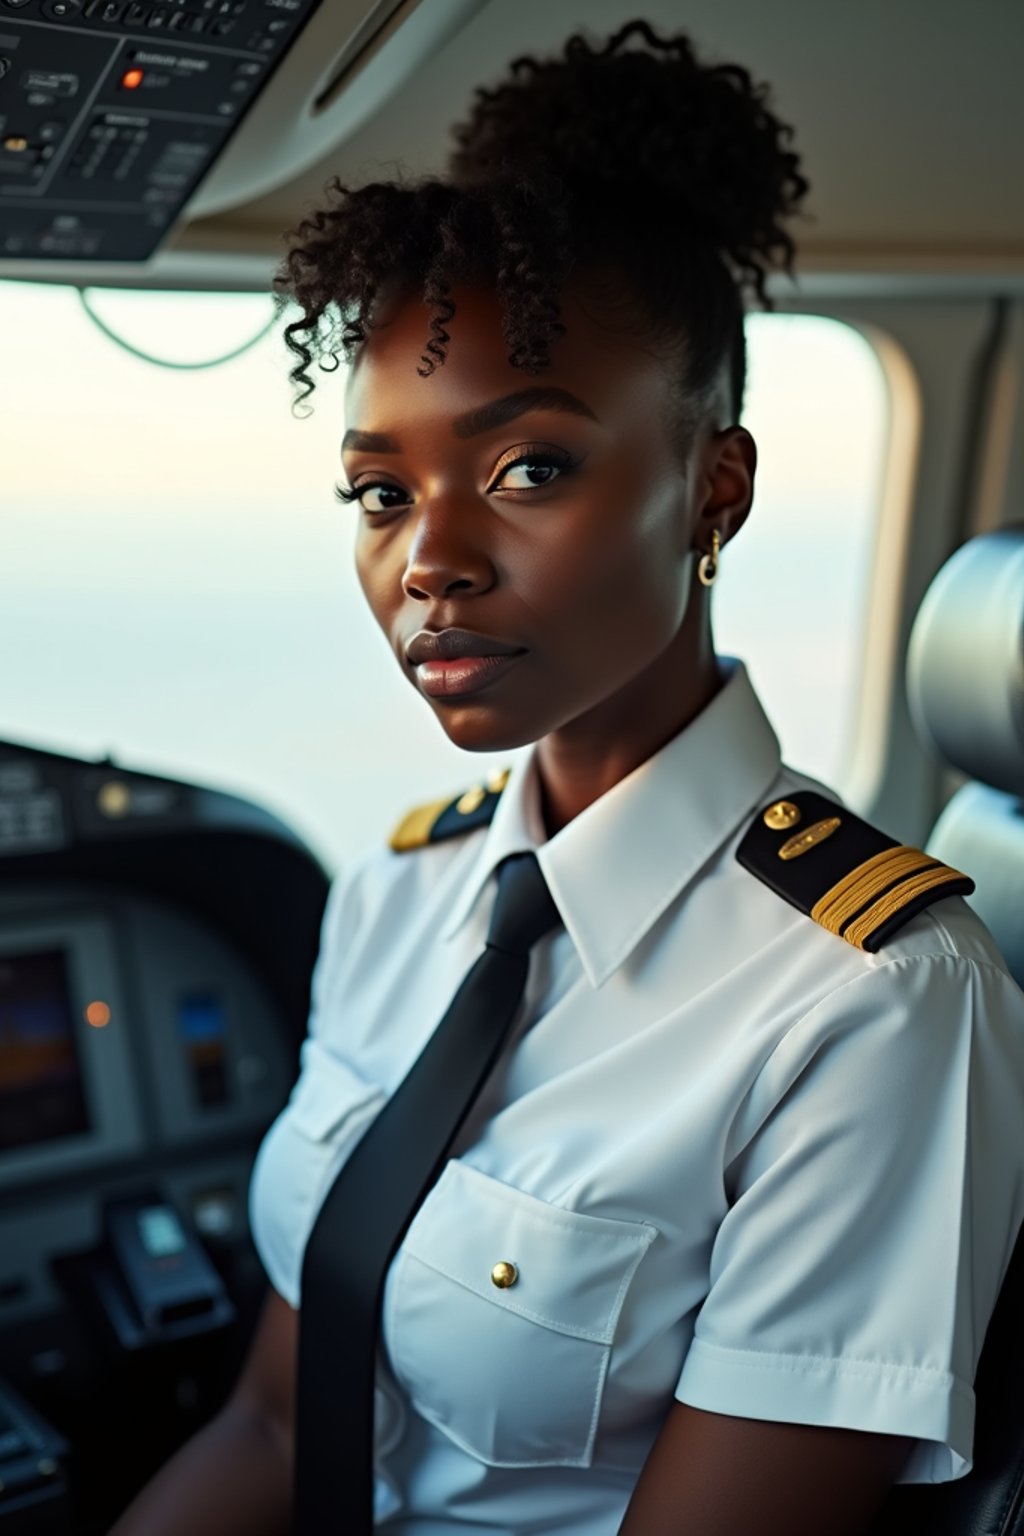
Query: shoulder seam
851, 981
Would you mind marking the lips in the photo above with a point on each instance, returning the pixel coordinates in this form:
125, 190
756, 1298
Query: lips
453, 662
452, 644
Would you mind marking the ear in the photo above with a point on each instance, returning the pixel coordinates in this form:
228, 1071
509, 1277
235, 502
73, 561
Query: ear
725, 485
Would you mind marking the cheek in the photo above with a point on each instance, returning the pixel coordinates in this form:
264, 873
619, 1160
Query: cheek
617, 586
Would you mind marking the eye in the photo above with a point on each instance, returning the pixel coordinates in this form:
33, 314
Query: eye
533, 471
377, 488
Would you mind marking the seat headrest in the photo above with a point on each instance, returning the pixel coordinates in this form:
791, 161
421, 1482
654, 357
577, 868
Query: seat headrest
965, 665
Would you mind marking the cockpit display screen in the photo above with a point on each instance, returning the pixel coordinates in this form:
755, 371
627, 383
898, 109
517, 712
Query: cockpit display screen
41, 1092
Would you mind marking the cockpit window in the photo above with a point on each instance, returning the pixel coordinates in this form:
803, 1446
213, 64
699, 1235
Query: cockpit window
794, 587
177, 586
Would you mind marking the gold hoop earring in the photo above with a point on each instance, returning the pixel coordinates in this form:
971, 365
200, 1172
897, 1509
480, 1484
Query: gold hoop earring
707, 570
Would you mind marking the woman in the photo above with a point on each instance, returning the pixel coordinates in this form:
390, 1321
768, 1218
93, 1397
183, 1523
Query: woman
710, 1252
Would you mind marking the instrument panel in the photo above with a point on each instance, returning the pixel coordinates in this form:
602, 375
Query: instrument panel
129, 1037
157, 940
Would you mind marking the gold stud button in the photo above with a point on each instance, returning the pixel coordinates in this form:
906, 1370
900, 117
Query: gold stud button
470, 800
504, 1274
781, 815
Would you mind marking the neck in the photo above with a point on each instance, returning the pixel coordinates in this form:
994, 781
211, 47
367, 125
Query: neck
581, 761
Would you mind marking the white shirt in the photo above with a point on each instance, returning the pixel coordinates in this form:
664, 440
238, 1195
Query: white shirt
735, 1160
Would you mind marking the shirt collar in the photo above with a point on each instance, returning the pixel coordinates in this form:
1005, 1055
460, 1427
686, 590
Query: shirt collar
615, 868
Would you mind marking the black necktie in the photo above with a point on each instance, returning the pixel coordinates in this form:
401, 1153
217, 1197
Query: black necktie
372, 1201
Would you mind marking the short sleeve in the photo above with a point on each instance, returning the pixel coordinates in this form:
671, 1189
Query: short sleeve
874, 1203
329, 1108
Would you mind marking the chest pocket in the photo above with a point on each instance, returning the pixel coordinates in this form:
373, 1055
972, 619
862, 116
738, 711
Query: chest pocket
515, 1373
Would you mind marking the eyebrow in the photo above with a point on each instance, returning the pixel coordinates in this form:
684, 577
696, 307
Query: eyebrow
484, 419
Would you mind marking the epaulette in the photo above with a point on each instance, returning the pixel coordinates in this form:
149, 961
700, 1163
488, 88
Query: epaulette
852, 879
446, 818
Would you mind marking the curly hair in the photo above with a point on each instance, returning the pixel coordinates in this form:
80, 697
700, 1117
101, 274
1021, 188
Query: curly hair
671, 174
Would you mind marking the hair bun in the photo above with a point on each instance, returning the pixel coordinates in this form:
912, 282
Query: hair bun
695, 144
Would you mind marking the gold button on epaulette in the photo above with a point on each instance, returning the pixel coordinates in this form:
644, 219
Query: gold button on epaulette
782, 815
504, 1274
852, 879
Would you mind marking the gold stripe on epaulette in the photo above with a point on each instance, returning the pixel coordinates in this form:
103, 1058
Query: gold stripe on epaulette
866, 883
413, 831
884, 908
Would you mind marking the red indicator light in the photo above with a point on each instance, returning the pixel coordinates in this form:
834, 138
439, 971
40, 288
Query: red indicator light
131, 79
98, 1014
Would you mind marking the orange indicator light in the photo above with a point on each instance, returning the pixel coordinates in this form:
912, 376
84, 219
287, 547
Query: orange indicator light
97, 1014
131, 79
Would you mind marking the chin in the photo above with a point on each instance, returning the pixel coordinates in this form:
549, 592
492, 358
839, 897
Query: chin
477, 729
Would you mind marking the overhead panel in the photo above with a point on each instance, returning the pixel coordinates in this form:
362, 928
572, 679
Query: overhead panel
118, 117
111, 112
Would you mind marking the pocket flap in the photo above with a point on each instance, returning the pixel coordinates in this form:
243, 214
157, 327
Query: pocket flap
572, 1271
327, 1092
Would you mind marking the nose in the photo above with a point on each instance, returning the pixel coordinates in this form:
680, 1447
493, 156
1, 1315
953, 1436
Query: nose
447, 553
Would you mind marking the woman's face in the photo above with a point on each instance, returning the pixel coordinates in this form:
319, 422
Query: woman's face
550, 518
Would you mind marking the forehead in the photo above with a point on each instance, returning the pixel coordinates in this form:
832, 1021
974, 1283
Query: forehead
614, 370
